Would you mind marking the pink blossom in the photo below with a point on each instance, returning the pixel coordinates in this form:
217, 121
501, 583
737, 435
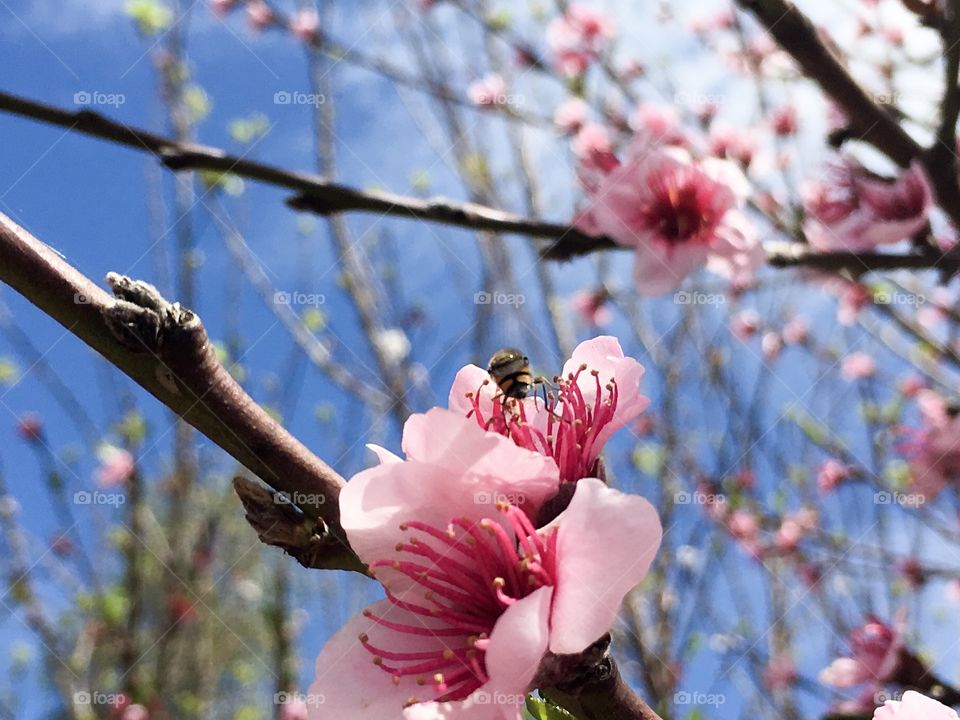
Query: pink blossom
571, 115
831, 474
597, 394
858, 366
593, 147
575, 38
854, 211
677, 213
731, 143
745, 324
222, 7
294, 709
488, 91
30, 427
135, 712
852, 298
780, 673
660, 123
770, 345
259, 14
592, 306
784, 121
305, 26
116, 466
743, 525
874, 655
933, 450
500, 593
914, 706
795, 332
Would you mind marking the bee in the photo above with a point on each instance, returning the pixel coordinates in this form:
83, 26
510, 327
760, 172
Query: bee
510, 370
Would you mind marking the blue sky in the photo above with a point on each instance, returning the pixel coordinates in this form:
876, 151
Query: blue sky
89, 199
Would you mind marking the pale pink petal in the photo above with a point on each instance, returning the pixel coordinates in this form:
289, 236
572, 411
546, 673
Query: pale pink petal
517, 645
457, 471
604, 354
383, 455
347, 683
472, 380
606, 543
658, 269
475, 457
844, 672
914, 706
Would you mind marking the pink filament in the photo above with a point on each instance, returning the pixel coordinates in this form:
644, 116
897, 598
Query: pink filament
572, 428
473, 572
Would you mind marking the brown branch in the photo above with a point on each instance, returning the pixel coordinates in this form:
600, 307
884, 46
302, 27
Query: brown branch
316, 194
601, 694
788, 254
867, 119
165, 349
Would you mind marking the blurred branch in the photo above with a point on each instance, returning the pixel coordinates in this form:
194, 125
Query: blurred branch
179, 368
867, 119
317, 194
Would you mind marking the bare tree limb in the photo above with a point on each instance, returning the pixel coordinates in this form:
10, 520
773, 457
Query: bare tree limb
165, 349
315, 193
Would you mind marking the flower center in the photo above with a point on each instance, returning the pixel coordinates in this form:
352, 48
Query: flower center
683, 206
569, 434
469, 573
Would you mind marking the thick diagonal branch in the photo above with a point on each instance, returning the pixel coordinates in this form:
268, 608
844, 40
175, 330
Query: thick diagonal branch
165, 349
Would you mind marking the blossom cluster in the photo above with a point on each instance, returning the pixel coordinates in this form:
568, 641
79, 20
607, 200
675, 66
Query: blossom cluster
480, 583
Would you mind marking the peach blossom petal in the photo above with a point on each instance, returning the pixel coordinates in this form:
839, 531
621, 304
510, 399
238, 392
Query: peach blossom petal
607, 541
